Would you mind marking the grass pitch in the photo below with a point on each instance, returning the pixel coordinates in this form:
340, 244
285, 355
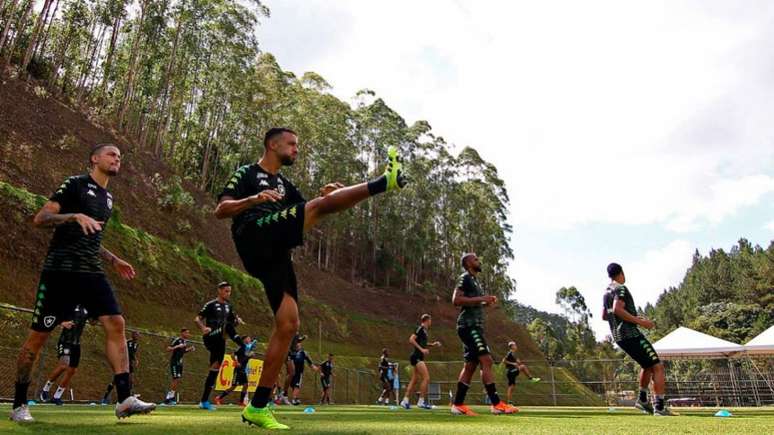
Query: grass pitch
83, 419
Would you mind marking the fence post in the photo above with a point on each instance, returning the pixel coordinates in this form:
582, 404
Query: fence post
553, 382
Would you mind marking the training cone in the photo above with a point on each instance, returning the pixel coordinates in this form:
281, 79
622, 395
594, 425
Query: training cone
611, 409
31, 402
309, 410
723, 413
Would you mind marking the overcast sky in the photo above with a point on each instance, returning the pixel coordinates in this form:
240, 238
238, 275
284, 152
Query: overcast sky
634, 132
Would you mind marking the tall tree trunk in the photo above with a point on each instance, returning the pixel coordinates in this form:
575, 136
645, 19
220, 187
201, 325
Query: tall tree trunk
7, 28
161, 102
133, 65
109, 59
41, 43
6, 60
34, 38
87, 71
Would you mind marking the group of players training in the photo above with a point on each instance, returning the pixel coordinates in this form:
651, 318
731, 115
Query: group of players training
269, 218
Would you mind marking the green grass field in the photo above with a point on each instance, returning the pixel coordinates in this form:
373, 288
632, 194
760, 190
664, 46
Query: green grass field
81, 419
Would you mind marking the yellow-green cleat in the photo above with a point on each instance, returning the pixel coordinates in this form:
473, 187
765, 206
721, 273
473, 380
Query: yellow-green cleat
394, 171
262, 417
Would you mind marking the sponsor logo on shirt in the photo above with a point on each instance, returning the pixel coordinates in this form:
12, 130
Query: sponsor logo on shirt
91, 192
263, 183
262, 175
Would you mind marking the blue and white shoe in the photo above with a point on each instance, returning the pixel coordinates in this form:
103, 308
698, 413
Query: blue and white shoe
207, 405
424, 405
405, 404
57, 401
44, 396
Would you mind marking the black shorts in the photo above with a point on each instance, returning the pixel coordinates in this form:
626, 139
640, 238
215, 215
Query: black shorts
297, 378
264, 247
70, 354
473, 343
640, 349
416, 357
240, 376
59, 292
512, 375
176, 370
325, 382
216, 345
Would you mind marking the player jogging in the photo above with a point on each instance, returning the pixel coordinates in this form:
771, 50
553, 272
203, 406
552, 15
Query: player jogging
471, 299
300, 357
421, 349
621, 314
513, 366
269, 219
386, 376
290, 368
72, 275
178, 347
326, 373
69, 352
242, 359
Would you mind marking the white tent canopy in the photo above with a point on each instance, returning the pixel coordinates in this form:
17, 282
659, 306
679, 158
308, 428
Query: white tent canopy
686, 343
763, 344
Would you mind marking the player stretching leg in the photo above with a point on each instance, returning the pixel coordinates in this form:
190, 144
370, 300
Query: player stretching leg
513, 366
269, 219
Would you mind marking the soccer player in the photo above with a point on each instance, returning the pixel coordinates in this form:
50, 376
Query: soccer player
326, 372
242, 358
513, 366
72, 274
420, 347
132, 348
298, 362
69, 351
269, 219
386, 376
179, 347
470, 297
621, 314
290, 367
217, 319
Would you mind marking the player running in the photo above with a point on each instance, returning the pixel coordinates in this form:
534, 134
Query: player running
217, 319
242, 359
69, 351
386, 376
421, 348
471, 299
270, 217
178, 347
290, 368
621, 314
513, 366
72, 275
299, 358
326, 373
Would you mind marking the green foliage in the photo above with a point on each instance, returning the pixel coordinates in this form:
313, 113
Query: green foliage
172, 194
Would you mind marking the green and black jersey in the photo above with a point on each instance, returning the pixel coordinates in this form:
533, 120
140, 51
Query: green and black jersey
72, 336
70, 249
217, 316
177, 354
471, 316
250, 180
326, 369
421, 340
619, 328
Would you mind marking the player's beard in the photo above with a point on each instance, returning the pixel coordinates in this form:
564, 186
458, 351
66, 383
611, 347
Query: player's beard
288, 160
477, 269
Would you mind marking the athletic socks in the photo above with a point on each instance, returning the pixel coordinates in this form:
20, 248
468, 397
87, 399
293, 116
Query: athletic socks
261, 397
491, 391
107, 392
462, 391
243, 396
659, 402
378, 185
47, 386
208, 384
59, 392
643, 395
20, 395
123, 386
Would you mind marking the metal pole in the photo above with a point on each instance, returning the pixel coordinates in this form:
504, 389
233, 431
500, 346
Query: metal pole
553, 383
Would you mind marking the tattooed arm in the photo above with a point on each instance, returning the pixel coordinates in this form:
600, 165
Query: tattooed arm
122, 267
49, 216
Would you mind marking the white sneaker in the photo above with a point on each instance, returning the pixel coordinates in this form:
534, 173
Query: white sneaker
132, 405
22, 415
286, 401
405, 404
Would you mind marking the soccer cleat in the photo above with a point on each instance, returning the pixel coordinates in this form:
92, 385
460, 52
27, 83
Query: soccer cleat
534, 380
296, 402
261, 417
57, 401
207, 405
405, 404
645, 407
218, 400
503, 408
286, 401
21, 415
424, 405
462, 410
394, 171
133, 405
44, 396
665, 412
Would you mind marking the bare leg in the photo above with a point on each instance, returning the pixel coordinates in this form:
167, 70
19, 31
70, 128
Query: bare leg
422, 369
334, 202
525, 369
659, 379
58, 370
115, 343
411, 385
25, 362
509, 393
290, 368
69, 373
286, 323
487, 377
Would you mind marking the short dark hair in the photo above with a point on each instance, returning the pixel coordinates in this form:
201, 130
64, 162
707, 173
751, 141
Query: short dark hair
330, 355
464, 259
613, 270
274, 132
424, 317
96, 148
183, 330
223, 284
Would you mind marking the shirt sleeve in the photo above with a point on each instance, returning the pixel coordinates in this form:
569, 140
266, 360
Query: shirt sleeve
235, 187
67, 194
204, 311
293, 194
621, 292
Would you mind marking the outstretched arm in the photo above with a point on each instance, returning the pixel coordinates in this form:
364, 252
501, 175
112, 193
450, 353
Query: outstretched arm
459, 299
228, 206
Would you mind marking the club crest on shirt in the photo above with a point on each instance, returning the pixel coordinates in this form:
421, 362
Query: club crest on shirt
49, 320
110, 203
281, 188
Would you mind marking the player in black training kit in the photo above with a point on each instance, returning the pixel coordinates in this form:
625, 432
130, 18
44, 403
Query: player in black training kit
178, 347
621, 314
242, 359
326, 372
133, 349
514, 366
290, 368
217, 319
68, 349
386, 375
72, 274
299, 358
269, 219
420, 347
471, 299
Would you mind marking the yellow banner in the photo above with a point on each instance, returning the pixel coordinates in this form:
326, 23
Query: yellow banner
226, 374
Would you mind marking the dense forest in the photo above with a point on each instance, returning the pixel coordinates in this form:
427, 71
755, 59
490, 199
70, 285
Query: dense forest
188, 82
